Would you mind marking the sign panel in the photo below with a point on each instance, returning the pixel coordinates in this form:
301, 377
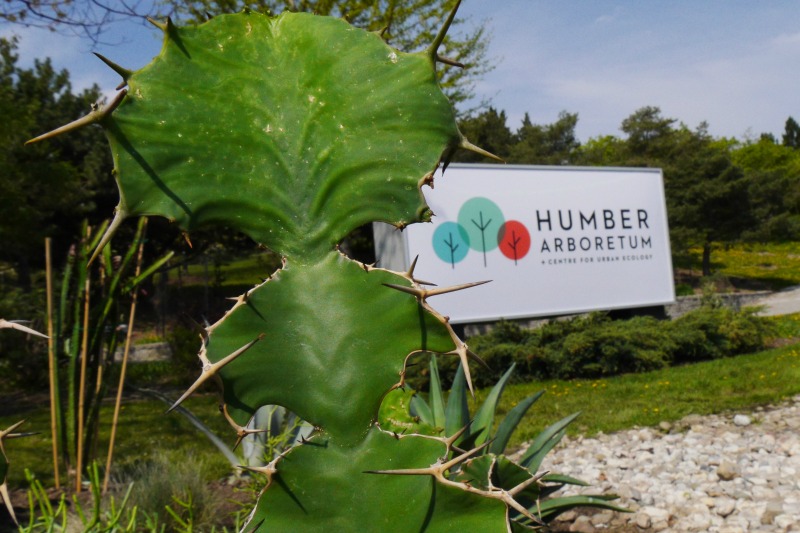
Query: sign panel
552, 240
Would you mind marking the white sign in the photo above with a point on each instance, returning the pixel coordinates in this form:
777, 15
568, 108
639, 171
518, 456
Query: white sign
552, 240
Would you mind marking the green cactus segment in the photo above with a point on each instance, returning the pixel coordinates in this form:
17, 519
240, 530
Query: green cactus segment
294, 130
322, 487
324, 354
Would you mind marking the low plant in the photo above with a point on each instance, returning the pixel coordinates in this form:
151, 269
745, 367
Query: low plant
450, 417
101, 516
173, 491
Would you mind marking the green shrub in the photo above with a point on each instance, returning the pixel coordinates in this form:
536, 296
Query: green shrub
596, 346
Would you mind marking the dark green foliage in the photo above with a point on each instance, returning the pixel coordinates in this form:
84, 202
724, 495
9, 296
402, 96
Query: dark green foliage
791, 133
23, 358
549, 144
46, 190
531, 144
595, 346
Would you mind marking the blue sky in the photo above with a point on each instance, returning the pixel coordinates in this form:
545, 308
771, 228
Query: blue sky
731, 63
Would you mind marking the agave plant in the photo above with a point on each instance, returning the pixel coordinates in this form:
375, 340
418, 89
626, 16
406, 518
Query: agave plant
451, 418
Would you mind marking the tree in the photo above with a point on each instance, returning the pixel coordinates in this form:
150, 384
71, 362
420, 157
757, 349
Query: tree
707, 194
409, 25
548, 144
649, 134
772, 171
791, 134
47, 190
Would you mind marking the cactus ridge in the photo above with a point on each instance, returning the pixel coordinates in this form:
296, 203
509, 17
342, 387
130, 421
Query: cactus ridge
295, 130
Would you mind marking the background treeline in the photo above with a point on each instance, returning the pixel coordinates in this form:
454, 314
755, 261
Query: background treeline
719, 190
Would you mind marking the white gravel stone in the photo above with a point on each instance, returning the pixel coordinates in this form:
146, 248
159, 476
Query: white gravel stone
722, 475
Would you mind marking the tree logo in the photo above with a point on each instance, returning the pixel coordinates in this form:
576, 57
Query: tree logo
481, 227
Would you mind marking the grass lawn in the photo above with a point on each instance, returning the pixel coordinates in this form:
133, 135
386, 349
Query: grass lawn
737, 383
144, 430
776, 266
613, 404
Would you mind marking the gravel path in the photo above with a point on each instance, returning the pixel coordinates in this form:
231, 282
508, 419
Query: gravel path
718, 473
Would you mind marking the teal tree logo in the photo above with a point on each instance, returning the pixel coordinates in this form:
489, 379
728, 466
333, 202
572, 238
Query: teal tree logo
451, 243
481, 227
482, 219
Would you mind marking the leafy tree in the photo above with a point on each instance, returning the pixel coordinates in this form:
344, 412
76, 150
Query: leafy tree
791, 134
608, 150
650, 136
548, 144
47, 189
773, 175
707, 194
408, 25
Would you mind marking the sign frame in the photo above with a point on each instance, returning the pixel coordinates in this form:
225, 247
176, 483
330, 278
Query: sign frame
601, 228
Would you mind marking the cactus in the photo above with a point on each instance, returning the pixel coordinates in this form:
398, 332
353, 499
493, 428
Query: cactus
296, 130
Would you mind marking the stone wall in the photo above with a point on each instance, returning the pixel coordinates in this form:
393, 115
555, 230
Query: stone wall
145, 353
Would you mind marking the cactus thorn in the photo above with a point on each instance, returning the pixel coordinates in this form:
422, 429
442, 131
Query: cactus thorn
241, 432
8, 432
466, 145
528, 482
211, 369
427, 179
381, 32
13, 324
437, 42
453, 288
122, 71
448, 61
451, 440
267, 470
7, 500
119, 217
410, 290
96, 115
405, 472
424, 294
160, 25
463, 354
410, 274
